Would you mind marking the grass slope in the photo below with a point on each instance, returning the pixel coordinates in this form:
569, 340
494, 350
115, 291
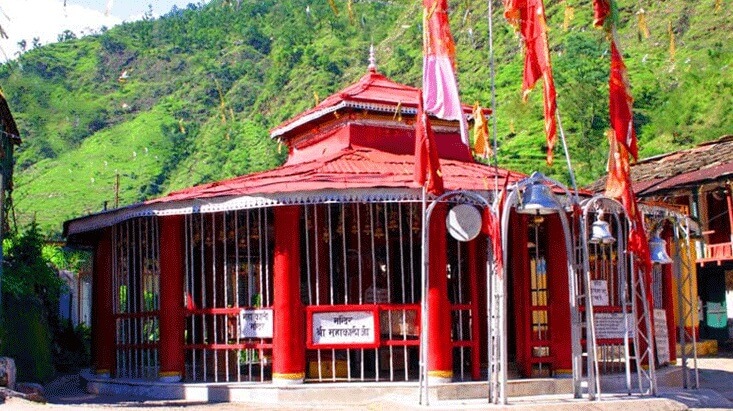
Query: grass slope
206, 83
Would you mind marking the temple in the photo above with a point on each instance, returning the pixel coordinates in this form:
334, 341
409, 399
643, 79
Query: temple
313, 271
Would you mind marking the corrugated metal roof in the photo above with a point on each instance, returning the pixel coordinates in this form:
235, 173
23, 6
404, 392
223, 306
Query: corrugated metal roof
704, 163
356, 167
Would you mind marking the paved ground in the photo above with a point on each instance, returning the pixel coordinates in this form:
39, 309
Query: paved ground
715, 393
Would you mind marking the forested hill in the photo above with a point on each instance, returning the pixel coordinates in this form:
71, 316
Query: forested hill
165, 103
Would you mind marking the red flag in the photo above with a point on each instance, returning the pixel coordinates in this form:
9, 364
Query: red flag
601, 10
620, 102
618, 185
528, 16
492, 228
427, 164
439, 66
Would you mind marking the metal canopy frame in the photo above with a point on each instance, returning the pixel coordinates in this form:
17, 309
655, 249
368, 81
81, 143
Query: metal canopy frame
578, 281
684, 229
630, 301
458, 197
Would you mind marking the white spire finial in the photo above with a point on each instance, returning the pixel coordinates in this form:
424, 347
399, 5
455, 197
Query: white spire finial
372, 60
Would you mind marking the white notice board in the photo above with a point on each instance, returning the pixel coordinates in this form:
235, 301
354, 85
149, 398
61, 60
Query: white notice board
599, 292
255, 323
611, 325
343, 328
661, 335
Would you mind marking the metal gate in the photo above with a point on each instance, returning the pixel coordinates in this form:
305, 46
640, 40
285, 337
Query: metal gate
136, 299
228, 267
360, 255
364, 255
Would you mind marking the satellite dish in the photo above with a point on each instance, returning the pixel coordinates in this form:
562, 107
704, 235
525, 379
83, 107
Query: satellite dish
463, 222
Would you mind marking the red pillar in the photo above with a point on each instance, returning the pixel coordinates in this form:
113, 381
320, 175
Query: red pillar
103, 321
520, 303
171, 317
559, 297
288, 342
440, 346
474, 283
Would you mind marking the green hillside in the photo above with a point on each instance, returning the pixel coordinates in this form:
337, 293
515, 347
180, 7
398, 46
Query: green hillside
162, 104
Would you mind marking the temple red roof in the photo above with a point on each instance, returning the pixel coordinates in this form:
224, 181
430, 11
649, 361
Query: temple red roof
373, 91
347, 169
356, 155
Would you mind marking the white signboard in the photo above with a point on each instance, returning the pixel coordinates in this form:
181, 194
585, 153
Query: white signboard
343, 328
255, 323
611, 325
599, 292
661, 335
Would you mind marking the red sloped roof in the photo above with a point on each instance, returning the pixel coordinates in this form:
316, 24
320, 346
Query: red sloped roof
373, 88
357, 167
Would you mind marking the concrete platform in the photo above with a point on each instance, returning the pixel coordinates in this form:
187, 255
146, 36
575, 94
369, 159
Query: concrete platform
340, 393
355, 393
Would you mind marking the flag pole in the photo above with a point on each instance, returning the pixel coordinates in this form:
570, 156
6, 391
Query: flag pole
424, 306
492, 77
567, 154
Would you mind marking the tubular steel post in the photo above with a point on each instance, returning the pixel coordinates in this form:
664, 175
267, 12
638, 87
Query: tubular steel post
576, 322
685, 304
424, 389
693, 304
424, 398
491, 333
501, 292
681, 303
594, 385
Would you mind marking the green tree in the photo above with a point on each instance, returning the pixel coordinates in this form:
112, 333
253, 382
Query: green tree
30, 308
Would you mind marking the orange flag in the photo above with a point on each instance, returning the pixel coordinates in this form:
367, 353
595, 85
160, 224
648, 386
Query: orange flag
480, 132
620, 102
427, 165
528, 16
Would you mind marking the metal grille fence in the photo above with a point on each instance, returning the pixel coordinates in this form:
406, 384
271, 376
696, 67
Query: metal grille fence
462, 291
136, 299
352, 255
367, 254
364, 254
228, 269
